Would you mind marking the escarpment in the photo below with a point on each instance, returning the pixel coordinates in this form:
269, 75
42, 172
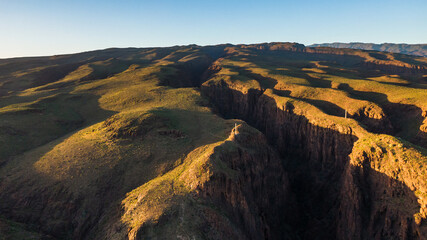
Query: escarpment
262, 185
316, 156
343, 197
234, 189
291, 133
382, 196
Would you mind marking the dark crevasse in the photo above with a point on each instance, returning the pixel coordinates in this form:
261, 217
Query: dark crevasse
334, 199
316, 157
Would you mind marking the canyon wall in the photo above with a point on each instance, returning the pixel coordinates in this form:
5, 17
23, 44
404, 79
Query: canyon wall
336, 197
235, 189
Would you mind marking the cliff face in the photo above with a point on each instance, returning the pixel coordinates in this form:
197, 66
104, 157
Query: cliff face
375, 206
236, 189
258, 196
316, 156
380, 196
290, 133
341, 198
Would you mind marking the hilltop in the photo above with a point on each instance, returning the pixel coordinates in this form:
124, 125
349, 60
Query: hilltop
410, 49
260, 141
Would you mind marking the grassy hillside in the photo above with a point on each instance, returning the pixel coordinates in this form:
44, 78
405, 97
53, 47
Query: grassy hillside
103, 125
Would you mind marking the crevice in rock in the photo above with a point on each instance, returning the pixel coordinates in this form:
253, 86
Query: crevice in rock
315, 157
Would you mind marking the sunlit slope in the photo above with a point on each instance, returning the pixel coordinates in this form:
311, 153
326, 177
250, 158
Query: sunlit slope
35, 111
93, 139
105, 128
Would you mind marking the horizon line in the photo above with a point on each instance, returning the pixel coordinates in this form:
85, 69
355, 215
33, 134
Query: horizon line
191, 44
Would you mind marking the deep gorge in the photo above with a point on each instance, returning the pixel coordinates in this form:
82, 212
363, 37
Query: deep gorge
334, 199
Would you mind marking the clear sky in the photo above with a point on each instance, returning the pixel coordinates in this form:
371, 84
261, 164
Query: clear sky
47, 27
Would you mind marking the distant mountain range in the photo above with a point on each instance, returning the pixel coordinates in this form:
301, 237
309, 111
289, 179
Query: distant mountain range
411, 49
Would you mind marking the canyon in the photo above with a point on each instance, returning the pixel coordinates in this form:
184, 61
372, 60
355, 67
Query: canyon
261, 141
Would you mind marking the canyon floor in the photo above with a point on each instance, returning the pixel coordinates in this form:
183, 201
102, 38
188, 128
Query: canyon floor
262, 141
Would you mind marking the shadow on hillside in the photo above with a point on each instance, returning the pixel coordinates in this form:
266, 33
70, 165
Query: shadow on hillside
192, 73
282, 93
264, 82
316, 160
54, 106
41, 202
325, 106
54, 206
332, 56
57, 208
406, 119
357, 72
48, 119
318, 82
185, 74
38, 71
100, 70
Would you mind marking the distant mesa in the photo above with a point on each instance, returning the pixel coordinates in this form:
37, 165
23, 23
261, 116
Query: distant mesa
410, 49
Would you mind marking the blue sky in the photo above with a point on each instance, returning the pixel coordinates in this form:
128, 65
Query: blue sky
47, 27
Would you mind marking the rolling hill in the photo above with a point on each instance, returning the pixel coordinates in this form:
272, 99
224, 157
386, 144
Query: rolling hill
261, 141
